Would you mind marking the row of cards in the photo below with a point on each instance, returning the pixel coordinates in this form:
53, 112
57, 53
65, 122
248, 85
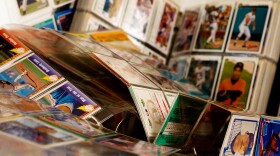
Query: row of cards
34, 78
252, 136
54, 130
203, 30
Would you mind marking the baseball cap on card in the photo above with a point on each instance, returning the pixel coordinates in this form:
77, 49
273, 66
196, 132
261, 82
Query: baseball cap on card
239, 65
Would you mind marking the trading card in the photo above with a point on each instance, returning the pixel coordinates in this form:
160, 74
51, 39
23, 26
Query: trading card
164, 23
47, 23
203, 73
30, 6
152, 107
137, 18
135, 146
249, 27
64, 19
29, 77
126, 71
185, 35
240, 136
180, 121
236, 81
6, 113
214, 26
163, 82
268, 142
177, 68
73, 124
36, 132
23, 104
110, 10
69, 99
10, 48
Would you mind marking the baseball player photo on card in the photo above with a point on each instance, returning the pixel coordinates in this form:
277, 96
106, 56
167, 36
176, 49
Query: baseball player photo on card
213, 28
249, 27
240, 136
236, 81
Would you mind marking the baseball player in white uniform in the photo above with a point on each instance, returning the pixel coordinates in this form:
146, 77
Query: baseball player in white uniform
250, 18
213, 26
199, 72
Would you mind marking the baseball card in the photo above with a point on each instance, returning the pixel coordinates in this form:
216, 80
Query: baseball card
137, 18
35, 132
180, 121
126, 71
240, 136
29, 77
164, 23
236, 81
163, 82
30, 6
152, 107
69, 99
135, 146
249, 27
64, 19
203, 73
73, 124
23, 105
10, 48
110, 10
177, 68
214, 26
185, 35
268, 142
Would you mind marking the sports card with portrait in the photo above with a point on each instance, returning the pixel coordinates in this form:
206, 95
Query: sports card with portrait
249, 27
268, 142
241, 136
214, 26
203, 73
185, 35
236, 81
